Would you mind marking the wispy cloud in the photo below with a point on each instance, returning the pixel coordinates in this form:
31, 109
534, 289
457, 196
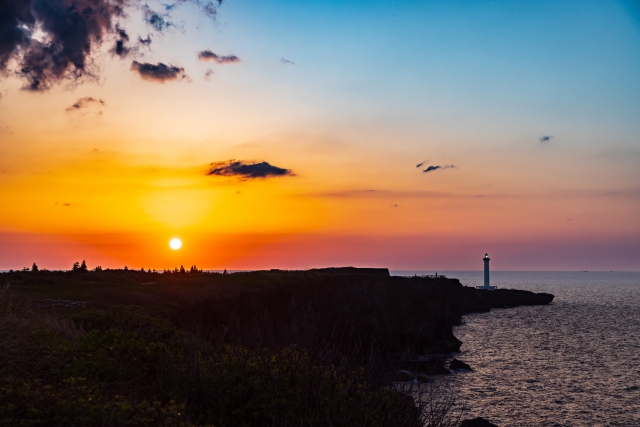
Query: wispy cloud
144, 42
84, 102
246, 171
158, 21
434, 168
158, 72
382, 194
207, 55
419, 165
285, 61
122, 48
545, 138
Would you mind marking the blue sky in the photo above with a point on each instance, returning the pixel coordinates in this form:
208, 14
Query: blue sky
371, 90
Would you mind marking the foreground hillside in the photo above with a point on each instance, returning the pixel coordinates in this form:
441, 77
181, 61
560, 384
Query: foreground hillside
414, 315
304, 348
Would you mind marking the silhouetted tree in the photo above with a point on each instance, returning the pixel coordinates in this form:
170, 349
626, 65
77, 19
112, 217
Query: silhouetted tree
182, 269
83, 266
34, 267
126, 268
98, 268
225, 271
76, 266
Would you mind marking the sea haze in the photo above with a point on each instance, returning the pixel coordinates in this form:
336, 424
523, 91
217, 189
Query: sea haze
575, 362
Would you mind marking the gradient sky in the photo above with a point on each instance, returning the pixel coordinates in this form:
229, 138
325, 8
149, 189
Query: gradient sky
349, 96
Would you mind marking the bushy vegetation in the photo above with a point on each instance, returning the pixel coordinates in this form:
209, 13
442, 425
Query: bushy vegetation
122, 367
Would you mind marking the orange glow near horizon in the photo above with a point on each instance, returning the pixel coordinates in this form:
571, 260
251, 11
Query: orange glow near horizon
534, 161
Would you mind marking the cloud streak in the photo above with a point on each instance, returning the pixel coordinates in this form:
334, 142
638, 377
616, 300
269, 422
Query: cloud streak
247, 171
207, 55
158, 72
84, 102
545, 138
434, 168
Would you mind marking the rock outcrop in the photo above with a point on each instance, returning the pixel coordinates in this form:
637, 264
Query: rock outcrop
458, 365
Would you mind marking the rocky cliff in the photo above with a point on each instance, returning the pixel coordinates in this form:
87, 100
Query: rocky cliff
412, 315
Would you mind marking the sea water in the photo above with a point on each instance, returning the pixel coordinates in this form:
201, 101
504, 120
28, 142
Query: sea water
575, 362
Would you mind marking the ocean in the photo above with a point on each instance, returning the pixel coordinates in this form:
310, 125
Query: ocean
575, 362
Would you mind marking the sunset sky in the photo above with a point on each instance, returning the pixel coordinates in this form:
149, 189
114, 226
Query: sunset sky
530, 109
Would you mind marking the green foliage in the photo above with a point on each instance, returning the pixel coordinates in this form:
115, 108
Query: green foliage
126, 368
73, 402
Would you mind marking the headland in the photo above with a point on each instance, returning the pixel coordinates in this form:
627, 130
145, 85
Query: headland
347, 319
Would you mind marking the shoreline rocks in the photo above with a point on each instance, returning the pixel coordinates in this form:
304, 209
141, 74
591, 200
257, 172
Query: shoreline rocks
458, 365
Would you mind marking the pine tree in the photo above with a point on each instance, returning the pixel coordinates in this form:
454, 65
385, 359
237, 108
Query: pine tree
76, 266
83, 266
34, 267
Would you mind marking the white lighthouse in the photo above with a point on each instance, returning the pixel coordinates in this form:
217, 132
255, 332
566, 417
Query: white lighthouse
486, 286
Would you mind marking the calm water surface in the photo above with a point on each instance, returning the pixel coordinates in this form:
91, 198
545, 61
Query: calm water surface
575, 362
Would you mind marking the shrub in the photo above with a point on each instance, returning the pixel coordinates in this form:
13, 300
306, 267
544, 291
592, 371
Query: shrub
126, 368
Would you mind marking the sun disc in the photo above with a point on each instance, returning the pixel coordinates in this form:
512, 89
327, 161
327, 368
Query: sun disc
175, 244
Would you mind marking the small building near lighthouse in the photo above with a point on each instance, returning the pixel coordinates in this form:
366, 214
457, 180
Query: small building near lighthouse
487, 286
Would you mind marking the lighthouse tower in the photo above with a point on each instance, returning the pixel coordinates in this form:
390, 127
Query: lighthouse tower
486, 275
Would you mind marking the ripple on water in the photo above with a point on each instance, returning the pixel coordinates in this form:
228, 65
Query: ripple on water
575, 362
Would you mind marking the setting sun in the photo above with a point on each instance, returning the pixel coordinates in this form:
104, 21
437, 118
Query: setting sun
175, 244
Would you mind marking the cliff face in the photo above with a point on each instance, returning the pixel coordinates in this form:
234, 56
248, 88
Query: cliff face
414, 315
405, 314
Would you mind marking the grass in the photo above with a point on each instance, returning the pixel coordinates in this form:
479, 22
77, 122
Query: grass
123, 367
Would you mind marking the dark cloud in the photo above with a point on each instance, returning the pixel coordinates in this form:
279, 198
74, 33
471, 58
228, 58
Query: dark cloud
83, 102
159, 22
246, 171
208, 74
419, 165
286, 61
433, 168
158, 72
71, 27
144, 42
545, 138
120, 48
207, 55
71, 30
